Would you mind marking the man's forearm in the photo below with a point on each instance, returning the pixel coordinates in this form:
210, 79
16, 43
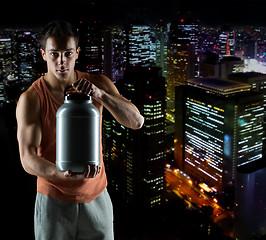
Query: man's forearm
38, 166
106, 93
124, 111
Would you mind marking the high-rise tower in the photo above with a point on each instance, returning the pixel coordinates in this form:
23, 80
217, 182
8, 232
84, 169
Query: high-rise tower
92, 46
138, 156
140, 46
181, 59
219, 127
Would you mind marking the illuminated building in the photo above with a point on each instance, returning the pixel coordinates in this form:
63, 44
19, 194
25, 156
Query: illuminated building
145, 161
226, 42
181, 60
18, 56
222, 68
219, 127
137, 45
6, 55
118, 53
92, 47
135, 159
161, 47
187, 31
26, 51
222, 43
18, 67
208, 40
140, 46
179, 69
230, 64
258, 84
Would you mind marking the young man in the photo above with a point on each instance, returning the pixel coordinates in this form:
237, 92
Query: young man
68, 205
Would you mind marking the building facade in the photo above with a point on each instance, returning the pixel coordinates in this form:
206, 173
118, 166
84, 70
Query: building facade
138, 156
219, 127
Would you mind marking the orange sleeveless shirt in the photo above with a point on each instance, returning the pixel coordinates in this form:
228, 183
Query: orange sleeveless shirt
78, 191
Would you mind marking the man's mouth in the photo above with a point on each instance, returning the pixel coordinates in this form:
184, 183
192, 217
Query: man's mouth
62, 70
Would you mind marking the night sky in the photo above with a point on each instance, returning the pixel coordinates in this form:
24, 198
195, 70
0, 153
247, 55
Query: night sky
209, 12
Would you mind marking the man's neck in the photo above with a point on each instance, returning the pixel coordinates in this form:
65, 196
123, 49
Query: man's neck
56, 84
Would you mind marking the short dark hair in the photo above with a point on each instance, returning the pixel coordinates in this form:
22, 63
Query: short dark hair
56, 29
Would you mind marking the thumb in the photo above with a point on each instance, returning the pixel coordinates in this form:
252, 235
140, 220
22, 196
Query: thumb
67, 173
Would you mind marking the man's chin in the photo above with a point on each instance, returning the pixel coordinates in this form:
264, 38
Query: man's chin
62, 75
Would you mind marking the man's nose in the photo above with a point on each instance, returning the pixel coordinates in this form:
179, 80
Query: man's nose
62, 59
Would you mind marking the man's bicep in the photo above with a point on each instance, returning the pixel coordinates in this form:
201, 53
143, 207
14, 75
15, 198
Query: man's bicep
29, 126
29, 138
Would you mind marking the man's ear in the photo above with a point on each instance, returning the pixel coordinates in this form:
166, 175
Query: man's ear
78, 50
43, 54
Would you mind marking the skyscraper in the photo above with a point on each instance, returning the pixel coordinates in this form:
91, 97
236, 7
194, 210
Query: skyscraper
6, 55
222, 68
227, 42
187, 30
181, 59
118, 53
26, 51
258, 84
161, 46
140, 46
92, 46
219, 127
139, 155
180, 67
19, 63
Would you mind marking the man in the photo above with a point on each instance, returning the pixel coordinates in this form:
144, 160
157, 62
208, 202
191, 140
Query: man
68, 205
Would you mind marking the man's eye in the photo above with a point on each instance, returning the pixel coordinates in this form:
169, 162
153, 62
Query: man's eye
68, 54
54, 54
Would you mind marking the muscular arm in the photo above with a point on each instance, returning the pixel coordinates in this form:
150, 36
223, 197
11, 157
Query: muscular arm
105, 92
29, 138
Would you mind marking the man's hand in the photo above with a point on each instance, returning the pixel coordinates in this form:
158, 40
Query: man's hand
83, 86
91, 171
86, 87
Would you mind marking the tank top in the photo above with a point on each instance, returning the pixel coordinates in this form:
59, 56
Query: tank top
77, 191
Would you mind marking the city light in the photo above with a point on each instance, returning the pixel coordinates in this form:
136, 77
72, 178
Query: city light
253, 65
168, 166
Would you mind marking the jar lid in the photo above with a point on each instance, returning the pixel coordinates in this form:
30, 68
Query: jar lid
77, 96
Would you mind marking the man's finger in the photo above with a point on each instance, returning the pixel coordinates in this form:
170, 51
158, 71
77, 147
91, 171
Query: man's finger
93, 171
98, 169
67, 173
88, 89
88, 169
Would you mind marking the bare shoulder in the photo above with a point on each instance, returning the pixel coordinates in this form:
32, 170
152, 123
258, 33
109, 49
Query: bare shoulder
29, 103
103, 82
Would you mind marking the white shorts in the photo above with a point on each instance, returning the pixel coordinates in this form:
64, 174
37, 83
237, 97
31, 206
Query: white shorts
58, 220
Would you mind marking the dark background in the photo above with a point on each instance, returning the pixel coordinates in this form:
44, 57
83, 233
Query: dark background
211, 12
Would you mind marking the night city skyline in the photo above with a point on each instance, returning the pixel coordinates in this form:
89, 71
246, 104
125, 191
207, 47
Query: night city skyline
196, 70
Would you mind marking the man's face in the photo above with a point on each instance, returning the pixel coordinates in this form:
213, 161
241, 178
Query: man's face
60, 54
